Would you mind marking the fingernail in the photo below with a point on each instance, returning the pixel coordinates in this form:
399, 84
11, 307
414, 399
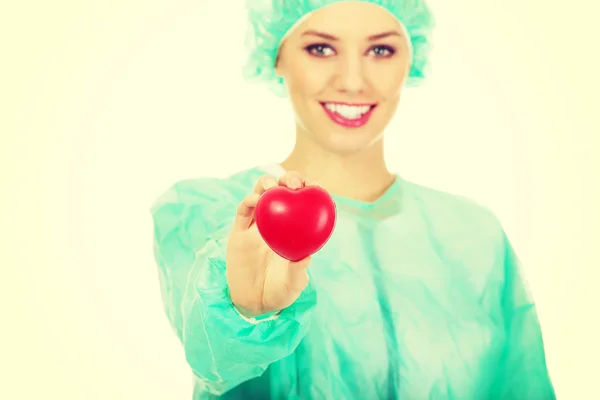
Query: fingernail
295, 183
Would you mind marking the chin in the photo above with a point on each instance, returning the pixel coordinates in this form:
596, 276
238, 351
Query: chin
349, 142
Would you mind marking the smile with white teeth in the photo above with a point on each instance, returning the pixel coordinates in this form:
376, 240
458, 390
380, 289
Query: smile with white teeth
347, 111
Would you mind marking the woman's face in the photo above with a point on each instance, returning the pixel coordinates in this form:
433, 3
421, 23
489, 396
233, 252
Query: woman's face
344, 68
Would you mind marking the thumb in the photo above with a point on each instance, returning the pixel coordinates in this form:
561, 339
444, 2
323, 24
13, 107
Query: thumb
297, 275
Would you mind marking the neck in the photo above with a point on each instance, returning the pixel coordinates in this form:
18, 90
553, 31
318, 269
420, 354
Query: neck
363, 176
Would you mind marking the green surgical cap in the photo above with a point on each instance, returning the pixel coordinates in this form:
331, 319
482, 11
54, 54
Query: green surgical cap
271, 20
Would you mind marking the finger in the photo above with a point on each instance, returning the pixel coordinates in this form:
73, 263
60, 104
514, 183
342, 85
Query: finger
245, 212
297, 275
264, 183
300, 265
311, 182
291, 179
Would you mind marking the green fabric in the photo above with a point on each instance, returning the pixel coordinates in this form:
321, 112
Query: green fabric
270, 20
417, 296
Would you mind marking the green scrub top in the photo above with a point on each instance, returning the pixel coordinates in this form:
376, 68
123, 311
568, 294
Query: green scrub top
416, 296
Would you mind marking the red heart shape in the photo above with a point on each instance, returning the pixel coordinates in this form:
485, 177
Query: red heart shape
295, 223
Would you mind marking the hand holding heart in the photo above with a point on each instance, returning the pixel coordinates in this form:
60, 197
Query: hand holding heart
286, 219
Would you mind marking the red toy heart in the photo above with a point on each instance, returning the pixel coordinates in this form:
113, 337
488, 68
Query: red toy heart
295, 223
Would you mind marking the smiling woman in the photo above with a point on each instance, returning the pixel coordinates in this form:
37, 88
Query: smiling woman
417, 295
342, 75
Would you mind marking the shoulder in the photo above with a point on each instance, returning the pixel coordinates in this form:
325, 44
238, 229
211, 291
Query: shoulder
468, 231
207, 198
457, 215
207, 189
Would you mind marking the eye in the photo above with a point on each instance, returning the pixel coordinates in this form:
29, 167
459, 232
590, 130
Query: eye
383, 51
320, 50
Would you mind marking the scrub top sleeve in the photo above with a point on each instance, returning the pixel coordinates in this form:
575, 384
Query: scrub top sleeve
192, 221
523, 373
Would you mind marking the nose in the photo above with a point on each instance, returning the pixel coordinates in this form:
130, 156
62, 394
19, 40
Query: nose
351, 75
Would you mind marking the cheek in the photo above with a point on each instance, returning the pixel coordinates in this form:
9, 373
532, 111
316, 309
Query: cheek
389, 79
306, 78
389, 85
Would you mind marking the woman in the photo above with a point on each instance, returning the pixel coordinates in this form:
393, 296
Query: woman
418, 293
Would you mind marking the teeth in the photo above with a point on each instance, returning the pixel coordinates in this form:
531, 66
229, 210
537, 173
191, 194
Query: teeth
346, 111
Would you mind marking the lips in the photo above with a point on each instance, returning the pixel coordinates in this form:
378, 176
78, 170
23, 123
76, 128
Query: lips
348, 115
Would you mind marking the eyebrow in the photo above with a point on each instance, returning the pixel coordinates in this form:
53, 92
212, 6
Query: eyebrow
328, 36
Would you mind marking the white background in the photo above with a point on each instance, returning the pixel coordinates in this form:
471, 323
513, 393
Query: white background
113, 102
